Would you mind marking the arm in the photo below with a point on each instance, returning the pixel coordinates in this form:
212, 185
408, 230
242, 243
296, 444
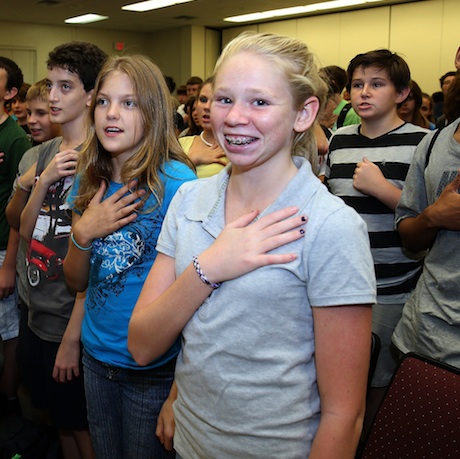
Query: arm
418, 233
62, 165
166, 424
368, 179
166, 304
8, 268
20, 197
342, 349
67, 363
100, 218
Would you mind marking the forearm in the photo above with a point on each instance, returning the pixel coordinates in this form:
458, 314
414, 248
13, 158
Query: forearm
8, 268
337, 436
31, 210
16, 206
388, 194
11, 251
418, 233
76, 265
73, 330
155, 325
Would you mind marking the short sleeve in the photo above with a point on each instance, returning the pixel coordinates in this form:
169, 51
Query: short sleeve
414, 196
175, 174
167, 239
340, 266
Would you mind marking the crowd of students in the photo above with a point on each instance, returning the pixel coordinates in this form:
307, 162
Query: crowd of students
229, 316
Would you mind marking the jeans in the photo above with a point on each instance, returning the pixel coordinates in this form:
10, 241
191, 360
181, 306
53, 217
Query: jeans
123, 407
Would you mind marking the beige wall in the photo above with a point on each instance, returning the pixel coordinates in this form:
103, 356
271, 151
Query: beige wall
425, 33
42, 39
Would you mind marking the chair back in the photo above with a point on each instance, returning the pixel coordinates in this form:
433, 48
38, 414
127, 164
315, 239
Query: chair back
420, 413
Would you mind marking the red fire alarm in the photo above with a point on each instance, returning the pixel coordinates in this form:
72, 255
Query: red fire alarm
119, 46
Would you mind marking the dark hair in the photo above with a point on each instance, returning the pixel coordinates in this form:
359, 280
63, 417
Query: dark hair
335, 77
417, 117
15, 78
395, 66
448, 74
451, 107
79, 57
194, 80
193, 129
22, 92
182, 90
170, 83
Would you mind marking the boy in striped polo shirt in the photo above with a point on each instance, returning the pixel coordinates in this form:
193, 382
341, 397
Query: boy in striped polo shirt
367, 166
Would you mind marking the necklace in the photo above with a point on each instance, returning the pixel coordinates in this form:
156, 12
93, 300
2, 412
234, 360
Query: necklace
209, 144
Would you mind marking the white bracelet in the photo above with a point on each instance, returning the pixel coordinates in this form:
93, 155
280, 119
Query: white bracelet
22, 187
202, 275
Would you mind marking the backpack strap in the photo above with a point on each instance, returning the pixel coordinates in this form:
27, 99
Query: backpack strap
430, 146
343, 115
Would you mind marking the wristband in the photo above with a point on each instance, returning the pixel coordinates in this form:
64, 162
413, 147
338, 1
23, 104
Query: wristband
202, 275
22, 187
77, 245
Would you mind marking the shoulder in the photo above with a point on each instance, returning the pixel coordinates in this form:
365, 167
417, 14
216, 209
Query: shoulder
343, 133
409, 128
12, 136
346, 137
174, 174
202, 193
186, 142
30, 157
177, 169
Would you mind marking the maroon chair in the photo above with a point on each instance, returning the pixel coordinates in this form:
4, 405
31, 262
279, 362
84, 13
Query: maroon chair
420, 414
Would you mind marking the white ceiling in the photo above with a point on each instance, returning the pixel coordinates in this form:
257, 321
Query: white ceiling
208, 13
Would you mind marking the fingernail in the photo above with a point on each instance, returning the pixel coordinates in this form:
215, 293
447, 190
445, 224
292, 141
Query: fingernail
302, 231
304, 219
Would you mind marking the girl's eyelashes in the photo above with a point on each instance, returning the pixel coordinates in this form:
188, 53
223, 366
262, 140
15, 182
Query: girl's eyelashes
131, 103
223, 100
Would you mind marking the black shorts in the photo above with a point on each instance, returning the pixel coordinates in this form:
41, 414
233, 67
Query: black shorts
65, 402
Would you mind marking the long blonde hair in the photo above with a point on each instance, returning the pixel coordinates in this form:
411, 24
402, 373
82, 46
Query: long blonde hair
293, 58
159, 144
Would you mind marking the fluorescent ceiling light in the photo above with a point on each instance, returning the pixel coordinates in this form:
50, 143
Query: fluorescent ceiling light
152, 5
86, 19
297, 10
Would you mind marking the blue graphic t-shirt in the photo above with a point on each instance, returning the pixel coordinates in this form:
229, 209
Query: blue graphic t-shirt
119, 265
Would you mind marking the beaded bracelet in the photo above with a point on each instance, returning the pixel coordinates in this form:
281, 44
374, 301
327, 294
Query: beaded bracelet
77, 245
22, 187
202, 275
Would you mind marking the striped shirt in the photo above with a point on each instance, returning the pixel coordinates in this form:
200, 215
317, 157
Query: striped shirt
396, 270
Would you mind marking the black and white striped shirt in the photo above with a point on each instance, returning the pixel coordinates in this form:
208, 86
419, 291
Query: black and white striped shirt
396, 270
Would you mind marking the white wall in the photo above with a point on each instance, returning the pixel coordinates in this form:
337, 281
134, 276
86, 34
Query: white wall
425, 33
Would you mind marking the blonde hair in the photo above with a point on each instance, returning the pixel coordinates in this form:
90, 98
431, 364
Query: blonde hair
159, 143
39, 91
292, 57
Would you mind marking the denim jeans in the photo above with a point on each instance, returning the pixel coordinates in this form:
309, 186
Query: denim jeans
123, 407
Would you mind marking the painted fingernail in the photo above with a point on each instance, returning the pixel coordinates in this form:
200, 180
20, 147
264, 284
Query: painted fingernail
304, 219
302, 231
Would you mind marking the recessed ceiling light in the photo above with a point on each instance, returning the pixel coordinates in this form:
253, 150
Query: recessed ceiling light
86, 19
152, 5
295, 10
